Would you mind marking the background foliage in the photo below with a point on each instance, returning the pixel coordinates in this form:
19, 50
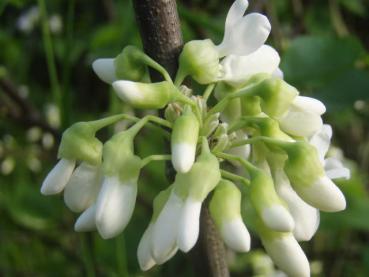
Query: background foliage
46, 83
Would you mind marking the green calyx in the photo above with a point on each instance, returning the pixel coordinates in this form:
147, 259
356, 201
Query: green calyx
201, 179
303, 166
159, 201
186, 128
118, 155
129, 64
225, 203
200, 60
79, 143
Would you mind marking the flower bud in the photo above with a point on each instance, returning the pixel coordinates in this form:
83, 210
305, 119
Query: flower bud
199, 58
210, 124
193, 188
129, 65
147, 96
86, 221
225, 209
285, 251
185, 133
82, 188
267, 203
172, 112
105, 70
307, 177
79, 143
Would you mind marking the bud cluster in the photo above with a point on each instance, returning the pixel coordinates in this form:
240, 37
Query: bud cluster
261, 144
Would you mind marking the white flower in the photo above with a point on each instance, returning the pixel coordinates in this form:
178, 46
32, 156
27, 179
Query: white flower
86, 221
114, 206
237, 69
58, 177
145, 259
164, 233
287, 255
243, 34
235, 235
306, 217
189, 224
82, 188
303, 118
333, 167
105, 70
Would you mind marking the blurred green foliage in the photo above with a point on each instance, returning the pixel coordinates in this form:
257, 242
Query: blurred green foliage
324, 48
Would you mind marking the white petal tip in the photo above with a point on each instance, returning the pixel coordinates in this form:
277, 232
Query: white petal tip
188, 229
183, 156
86, 221
58, 177
105, 70
278, 218
236, 235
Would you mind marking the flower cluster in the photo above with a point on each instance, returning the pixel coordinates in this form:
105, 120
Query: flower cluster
261, 144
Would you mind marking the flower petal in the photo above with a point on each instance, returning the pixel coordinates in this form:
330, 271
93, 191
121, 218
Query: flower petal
183, 156
321, 140
189, 225
288, 255
323, 194
278, 218
115, 205
334, 169
309, 104
145, 259
86, 221
105, 70
58, 177
235, 13
306, 217
238, 69
235, 235
278, 73
164, 236
246, 35
82, 188
300, 123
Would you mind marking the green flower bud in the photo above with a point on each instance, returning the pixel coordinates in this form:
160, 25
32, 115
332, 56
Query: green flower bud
129, 65
267, 203
199, 58
118, 155
185, 133
193, 184
225, 209
250, 105
172, 112
147, 96
79, 143
210, 124
232, 111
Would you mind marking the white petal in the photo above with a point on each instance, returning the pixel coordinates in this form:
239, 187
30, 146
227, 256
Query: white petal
235, 235
324, 195
164, 237
127, 91
288, 255
300, 123
242, 151
334, 169
278, 218
115, 205
306, 217
278, 73
235, 13
86, 221
189, 225
183, 156
105, 70
145, 260
246, 35
58, 177
309, 104
82, 188
238, 69
321, 140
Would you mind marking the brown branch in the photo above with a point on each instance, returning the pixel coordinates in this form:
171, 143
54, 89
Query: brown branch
162, 40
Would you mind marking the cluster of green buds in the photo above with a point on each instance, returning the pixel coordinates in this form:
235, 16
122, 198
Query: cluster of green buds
258, 153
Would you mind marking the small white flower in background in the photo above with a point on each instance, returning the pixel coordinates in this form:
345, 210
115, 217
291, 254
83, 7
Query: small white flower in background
27, 21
